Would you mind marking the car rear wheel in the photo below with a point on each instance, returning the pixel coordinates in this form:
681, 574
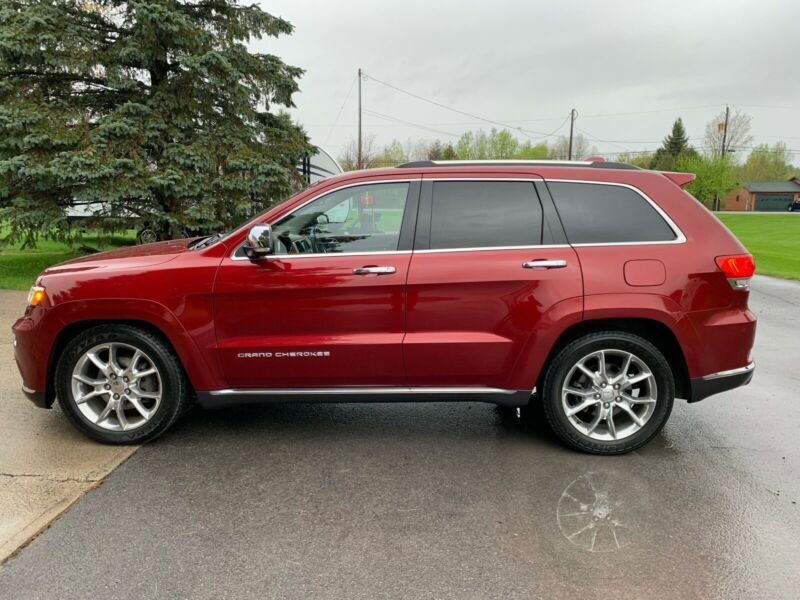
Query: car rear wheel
120, 384
608, 393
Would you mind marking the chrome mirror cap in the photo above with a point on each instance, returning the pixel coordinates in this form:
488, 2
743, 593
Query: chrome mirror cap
259, 241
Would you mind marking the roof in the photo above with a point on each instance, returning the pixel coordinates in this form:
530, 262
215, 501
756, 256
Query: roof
773, 187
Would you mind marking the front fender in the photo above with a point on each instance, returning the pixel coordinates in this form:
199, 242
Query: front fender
203, 374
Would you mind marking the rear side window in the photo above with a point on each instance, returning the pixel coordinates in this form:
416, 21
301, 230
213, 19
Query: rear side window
607, 214
485, 214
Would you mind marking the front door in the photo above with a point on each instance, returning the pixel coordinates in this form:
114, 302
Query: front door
328, 308
490, 268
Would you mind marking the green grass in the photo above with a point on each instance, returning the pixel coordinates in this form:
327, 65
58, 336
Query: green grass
19, 268
773, 239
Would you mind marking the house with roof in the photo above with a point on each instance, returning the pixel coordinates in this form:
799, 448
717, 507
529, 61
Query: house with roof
764, 196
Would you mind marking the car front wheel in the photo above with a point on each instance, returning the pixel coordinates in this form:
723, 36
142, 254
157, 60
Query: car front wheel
120, 384
608, 392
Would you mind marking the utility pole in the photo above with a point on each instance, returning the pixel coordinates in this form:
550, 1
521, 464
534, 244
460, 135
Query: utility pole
724, 142
725, 130
360, 165
571, 124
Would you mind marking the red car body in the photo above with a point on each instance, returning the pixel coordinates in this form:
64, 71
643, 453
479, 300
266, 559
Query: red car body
443, 319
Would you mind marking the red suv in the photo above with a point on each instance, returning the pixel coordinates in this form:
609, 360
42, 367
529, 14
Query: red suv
597, 289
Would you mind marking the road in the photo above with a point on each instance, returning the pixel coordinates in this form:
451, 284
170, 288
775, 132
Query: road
446, 501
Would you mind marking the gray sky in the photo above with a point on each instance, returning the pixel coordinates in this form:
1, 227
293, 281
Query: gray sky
526, 64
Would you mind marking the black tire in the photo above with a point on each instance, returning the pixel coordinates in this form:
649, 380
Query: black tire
147, 236
573, 352
175, 392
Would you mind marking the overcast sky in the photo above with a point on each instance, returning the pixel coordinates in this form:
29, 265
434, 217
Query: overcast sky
526, 64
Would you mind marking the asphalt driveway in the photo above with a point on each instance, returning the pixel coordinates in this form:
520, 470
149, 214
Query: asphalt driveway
446, 501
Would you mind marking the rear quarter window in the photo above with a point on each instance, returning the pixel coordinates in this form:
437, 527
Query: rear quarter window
607, 214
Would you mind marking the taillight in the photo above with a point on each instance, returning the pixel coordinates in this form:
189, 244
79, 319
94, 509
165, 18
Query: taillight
738, 268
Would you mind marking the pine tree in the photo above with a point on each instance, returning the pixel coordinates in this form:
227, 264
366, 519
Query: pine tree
677, 141
675, 145
152, 110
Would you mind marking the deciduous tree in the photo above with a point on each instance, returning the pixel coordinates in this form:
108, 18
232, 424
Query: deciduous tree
767, 164
559, 150
716, 176
737, 138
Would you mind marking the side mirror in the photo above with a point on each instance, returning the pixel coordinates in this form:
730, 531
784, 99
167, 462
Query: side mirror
259, 241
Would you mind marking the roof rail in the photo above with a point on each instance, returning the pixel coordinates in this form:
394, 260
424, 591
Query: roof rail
511, 163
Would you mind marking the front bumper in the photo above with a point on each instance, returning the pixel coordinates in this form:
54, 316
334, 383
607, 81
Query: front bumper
703, 387
38, 398
34, 334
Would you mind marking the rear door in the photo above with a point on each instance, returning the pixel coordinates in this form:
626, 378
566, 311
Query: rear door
490, 264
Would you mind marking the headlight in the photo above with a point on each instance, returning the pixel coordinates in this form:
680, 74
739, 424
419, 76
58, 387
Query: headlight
36, 296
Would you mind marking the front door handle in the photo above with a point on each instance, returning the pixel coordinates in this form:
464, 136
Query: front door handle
545, 264
374, 270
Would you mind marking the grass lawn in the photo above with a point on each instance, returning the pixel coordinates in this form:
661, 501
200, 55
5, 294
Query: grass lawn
773, 239
19, 268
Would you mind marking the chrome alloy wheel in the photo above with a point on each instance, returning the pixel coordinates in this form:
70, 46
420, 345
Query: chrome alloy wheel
116, 386
609, 395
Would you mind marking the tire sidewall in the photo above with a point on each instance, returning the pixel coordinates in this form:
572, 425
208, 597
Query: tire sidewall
571, 354
173, 386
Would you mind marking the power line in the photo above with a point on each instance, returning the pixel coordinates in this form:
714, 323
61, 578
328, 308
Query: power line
646, 112
339, 114
409, 123
461, 112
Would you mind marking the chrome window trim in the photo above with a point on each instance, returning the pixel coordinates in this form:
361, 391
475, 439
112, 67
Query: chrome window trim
680, 238
322, 254
488, 248
408, 180
359, 390
730, 372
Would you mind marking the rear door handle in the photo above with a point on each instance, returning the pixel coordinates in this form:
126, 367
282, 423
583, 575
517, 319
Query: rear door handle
374, 270
545, 264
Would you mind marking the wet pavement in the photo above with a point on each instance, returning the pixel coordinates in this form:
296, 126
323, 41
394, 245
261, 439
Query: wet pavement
447, 501
45, 465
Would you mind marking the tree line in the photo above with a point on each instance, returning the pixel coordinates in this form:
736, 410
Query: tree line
719, 169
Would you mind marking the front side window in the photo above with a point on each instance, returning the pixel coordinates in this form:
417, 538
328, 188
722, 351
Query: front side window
363, 218
607, 214
485, 214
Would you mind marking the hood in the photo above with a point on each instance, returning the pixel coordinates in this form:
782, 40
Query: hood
122, 258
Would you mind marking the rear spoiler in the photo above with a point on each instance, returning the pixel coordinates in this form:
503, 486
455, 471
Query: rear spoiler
679, 179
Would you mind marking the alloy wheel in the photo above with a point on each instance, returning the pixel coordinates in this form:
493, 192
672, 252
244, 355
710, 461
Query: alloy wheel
609, 395
116, 386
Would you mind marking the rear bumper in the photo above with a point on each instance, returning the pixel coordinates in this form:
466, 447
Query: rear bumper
703, 387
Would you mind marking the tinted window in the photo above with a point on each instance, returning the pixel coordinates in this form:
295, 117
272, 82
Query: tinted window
604, 214
485, 214
364, 218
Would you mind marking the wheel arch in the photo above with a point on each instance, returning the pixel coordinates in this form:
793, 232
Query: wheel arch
654, 331
165, 327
